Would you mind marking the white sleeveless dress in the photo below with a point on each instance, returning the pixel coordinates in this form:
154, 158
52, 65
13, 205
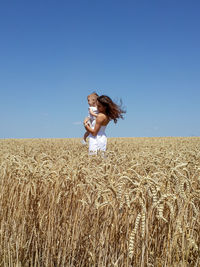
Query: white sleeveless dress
98, 142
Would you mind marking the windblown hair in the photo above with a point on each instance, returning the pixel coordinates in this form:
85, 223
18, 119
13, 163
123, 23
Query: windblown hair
113, 111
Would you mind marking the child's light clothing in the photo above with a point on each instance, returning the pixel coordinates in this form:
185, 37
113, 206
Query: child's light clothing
92, 118
91, 122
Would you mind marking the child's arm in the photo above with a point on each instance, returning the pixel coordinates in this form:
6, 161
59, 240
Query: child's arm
92, 113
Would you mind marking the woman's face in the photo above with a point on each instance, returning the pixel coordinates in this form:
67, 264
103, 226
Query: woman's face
100, 107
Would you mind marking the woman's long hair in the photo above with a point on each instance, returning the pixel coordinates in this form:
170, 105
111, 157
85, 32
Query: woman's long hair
113, 111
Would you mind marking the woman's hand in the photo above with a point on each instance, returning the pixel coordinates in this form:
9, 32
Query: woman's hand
86, 120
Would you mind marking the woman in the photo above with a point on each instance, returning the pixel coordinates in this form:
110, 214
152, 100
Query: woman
108, 110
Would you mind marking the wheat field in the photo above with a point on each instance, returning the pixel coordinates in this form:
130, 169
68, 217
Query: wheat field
138, 206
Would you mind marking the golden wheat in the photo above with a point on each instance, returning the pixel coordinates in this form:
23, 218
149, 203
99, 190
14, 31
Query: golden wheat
138, 206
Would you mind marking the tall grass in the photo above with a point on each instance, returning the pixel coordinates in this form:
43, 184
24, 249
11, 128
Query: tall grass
139, 206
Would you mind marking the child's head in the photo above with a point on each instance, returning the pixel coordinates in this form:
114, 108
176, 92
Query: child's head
92, 99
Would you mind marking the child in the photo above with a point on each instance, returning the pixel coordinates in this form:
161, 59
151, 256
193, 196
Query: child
92, 113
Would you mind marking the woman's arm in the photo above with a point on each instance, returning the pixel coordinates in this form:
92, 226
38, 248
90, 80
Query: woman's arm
100, 119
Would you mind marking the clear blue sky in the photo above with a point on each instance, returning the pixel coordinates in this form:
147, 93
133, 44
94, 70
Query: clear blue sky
54, 53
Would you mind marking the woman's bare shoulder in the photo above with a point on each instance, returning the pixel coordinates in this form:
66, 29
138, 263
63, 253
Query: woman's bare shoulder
103, 118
